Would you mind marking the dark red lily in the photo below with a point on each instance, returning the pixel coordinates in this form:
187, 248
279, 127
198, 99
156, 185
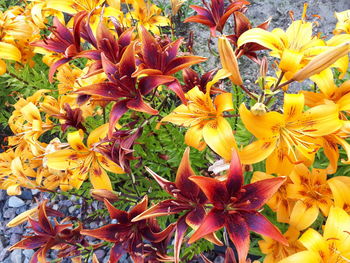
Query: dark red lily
72, 118
48, 235
243, 24
119, 148
235, 207
215, 15
122, 87
161, 61
63, 41
105, 43
192, 79
128, 236
188, 198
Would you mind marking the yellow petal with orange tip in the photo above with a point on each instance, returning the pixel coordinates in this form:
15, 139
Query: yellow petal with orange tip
257, 151
319, 121
303, 215
23, 217
337, 229
99, 178
219, 137
264, 38
314, 242
322, 61
303, 256
265, 126
10, 52
340, 186
229, 61
64, 159
97, 134
194, 137
109, 165
325, 82
223, 102
293, 106
75, 140
30, 112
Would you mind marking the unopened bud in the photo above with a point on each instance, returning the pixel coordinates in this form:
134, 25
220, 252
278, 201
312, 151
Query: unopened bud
258, 109
263, 67
229, 61
322, 61
101, 194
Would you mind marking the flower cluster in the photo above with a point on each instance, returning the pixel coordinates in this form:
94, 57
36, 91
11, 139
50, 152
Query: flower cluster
122, 80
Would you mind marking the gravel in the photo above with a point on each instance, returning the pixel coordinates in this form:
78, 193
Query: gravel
14, 201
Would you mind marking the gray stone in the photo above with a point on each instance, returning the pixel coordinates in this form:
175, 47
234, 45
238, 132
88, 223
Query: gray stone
15, 238
14, 201
21, 209
219, 259
4, 254
16, 256
9, 212
35, 191
3, 195
71, 209
55, 207
26, 195
100, 253
17, 229
28, 253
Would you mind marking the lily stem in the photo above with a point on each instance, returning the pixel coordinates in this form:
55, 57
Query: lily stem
248, 92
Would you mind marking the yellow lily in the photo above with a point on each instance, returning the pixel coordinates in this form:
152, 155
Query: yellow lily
311, 192
288, 138
84, 160
340, 186
74, 6
332, 247
205, 119
295, 47
343, 24
14, 174
148, 15
275, 251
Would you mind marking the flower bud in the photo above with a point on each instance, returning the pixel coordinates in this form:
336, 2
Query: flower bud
229, 61
258, 109
101, 194
322, 61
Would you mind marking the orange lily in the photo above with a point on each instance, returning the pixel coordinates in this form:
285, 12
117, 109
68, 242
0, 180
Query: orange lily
205, 119
84, 160
275, 251
288, 138
332, 247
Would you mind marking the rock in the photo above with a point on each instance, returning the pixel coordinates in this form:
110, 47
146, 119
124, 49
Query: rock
14, 201
16, 256
15, 238
100, 253
17, 229
28, 253
71, 209
35, 191
21, 209
9, 212
3, 195
219, 259
4, 254
26, 195
55, 207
